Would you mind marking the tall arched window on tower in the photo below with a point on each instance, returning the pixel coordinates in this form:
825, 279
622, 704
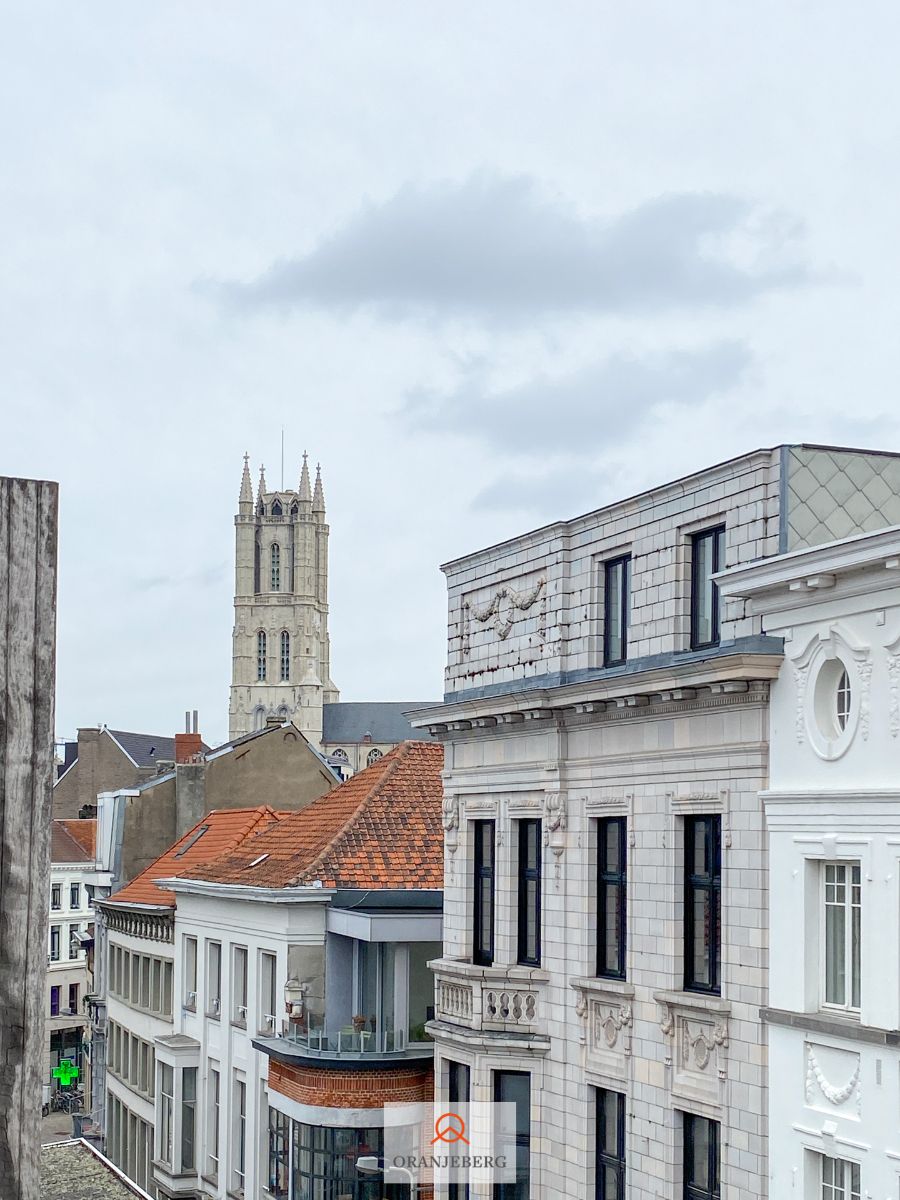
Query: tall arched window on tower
261, 655
276, 567
285, 656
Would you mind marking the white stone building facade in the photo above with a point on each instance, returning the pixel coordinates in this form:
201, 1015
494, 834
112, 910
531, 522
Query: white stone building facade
833, 815
612, 982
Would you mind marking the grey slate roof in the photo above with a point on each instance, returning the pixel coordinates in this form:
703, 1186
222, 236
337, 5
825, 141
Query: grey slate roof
384, 720
145, 748
74, 1170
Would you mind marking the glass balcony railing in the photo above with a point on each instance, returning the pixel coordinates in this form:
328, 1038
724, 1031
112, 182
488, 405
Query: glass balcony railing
355, 1040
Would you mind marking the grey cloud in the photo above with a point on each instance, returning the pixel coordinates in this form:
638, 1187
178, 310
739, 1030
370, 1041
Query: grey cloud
554, 494
498, 247
207, 576
598, 407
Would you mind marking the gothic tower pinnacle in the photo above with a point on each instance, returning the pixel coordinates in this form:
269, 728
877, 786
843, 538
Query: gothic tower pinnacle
281, 651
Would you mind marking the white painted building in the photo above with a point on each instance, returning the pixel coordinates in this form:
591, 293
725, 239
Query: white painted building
833, 815
606, 726
75, 881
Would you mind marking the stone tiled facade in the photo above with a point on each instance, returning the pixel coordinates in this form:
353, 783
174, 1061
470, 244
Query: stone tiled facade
536, 727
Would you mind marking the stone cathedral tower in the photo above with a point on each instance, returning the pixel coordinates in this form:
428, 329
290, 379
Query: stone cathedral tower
281, 654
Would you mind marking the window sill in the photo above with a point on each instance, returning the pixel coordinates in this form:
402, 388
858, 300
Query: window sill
239, 1024
698, 1001
602, 985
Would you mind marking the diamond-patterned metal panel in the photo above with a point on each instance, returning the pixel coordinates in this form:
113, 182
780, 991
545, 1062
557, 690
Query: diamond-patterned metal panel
833, 494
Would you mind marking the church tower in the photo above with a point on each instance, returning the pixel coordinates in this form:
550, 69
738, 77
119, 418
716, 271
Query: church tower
281, 653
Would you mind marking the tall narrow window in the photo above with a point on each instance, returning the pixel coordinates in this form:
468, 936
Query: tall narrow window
611, 897
285, 656
529, 951
239, 1149
840, 1179
483, 914
843, 912
701, 1158
267, 998
609, 1169
188, 1117
74, 944
212, 1141
459, 1085
213, 978
261, 656
707, 557
702, 903
512, 1132
166, 1113
616, 603
54, 1002
190, 973
279, 1154
56, 896
276, 567
54, 942
239, 986
73, 997
75, 896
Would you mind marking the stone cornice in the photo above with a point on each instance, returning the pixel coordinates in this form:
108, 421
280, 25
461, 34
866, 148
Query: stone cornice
789, 580
719, 682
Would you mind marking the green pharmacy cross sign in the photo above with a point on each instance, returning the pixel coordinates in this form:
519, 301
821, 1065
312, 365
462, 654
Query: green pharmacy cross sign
65, 1072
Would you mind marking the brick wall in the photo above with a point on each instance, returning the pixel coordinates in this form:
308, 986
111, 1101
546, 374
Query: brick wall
327, 1087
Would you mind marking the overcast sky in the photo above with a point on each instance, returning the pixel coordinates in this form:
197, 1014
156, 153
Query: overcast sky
492, 264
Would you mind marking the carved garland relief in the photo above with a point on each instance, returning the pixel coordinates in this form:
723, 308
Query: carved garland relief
501, 611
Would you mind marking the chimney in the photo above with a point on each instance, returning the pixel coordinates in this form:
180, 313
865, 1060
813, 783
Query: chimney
188, 745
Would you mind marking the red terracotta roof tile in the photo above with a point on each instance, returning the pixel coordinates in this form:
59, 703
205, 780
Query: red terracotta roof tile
72, 841
218, 833
380, 829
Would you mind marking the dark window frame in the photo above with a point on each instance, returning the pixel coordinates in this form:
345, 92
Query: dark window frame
716, 534
524, 876
692, 1190
521, 1188
603, 1160
619, 880
483, 833
459, 1091
711, 882
624, 589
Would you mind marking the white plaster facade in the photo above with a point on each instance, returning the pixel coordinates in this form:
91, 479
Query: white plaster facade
833, 798
73, 887
281, 651
537, 727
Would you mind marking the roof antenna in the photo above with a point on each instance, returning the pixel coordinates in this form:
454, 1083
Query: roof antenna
282, 458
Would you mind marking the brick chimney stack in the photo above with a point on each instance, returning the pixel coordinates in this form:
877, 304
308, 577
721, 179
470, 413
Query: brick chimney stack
188, 744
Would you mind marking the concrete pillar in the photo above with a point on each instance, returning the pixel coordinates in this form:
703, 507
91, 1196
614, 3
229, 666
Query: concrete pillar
28, 534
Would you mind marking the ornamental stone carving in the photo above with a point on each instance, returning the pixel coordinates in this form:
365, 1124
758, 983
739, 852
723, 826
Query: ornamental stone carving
555, 821
832, 1074
501, 610
450, 821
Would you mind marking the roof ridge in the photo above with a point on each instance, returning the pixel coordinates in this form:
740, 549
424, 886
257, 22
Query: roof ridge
393, 758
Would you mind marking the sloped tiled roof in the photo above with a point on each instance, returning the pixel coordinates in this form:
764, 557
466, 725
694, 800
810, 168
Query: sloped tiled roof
218, 833
350, 721
381, 829
72, 841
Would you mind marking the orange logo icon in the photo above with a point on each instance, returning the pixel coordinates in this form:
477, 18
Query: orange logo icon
450, 1127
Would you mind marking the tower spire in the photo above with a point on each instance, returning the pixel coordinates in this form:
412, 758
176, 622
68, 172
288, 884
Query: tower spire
262, 482
318, 504
246, 496
305, 493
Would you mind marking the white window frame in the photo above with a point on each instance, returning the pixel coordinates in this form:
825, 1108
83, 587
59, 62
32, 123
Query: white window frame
240, 978
268, 992
849, 866
841, 1185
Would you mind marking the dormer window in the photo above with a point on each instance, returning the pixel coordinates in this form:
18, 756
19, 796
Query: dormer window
276, 567
295, 508
276, 508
